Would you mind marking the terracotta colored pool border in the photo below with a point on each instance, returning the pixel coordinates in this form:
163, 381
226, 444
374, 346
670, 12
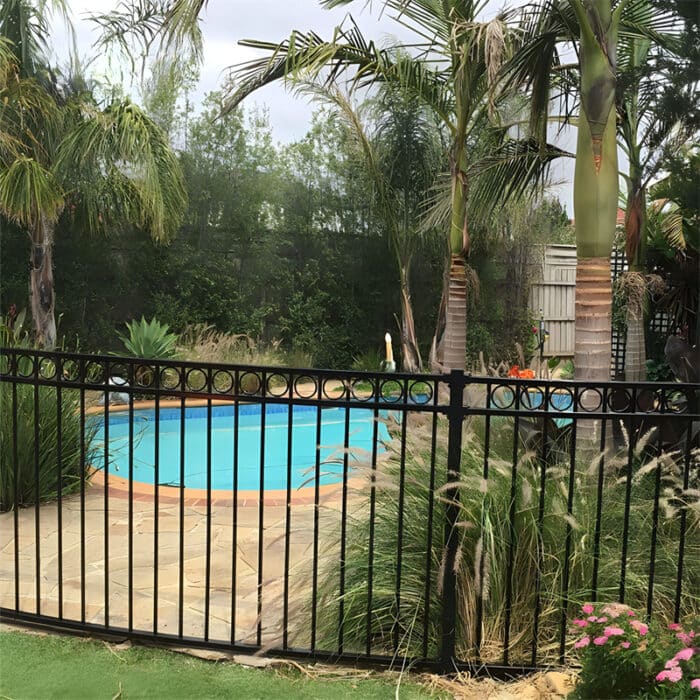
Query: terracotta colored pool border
118, 486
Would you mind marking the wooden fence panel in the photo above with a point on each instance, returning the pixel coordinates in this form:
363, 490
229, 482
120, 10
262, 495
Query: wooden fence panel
553, 298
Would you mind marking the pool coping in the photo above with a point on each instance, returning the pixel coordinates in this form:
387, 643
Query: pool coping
119, 486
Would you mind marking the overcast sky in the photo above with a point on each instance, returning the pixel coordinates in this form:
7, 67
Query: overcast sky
225, 22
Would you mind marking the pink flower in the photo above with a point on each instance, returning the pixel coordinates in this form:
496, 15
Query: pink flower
592, 618
685, 654
613, 631
687, 639
587, 608
695, 684
625, 645
673, 675
639, 626
580, 623
583, 642
671, 663
602, 619
674, 627
599, 641
630, 613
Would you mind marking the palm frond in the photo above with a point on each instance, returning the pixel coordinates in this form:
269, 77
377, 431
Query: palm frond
161, 34
537, 64
666, 217
511, 170
29, 194
305, 56
124, 134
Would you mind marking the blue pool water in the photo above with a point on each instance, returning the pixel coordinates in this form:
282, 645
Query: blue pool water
250, 444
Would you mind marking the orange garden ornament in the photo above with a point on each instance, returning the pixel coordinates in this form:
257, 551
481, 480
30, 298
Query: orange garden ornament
518, 373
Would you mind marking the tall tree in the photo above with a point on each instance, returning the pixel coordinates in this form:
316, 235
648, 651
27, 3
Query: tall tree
657, 115
68, 156
399, 148
593, 28
452, 69
458, 61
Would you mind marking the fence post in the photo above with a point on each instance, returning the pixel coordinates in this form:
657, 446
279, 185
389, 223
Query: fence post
455, 416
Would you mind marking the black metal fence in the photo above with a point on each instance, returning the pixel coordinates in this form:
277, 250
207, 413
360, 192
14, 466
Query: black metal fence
447, 521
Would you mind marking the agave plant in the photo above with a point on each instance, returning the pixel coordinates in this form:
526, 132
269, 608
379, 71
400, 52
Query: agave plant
149, 339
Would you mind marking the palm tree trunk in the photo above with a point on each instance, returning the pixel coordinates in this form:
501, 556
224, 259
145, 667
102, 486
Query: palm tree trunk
593, 312
595, 201
635, 350
635, 249
41, 291
455, 340
411, 360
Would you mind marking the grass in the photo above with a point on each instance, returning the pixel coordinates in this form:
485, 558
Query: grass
67, 667
203, 343
488, 540
21, 457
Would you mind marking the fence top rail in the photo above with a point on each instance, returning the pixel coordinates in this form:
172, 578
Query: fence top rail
115, 361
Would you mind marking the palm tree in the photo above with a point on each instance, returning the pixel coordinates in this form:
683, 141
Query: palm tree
64, 155
399, 149
452, 69
454, 75
592, 26
649, 128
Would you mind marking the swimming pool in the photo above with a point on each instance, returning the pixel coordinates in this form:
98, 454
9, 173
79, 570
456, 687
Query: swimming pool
250, 445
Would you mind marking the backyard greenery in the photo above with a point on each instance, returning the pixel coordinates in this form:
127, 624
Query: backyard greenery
46, 460
526, 536
65, 667
419, 201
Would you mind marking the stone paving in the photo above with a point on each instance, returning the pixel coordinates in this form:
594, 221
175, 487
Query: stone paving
110, 536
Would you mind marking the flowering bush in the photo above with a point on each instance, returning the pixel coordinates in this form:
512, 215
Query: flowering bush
623, 657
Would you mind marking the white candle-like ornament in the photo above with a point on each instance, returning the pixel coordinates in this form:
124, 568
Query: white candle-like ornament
389, 349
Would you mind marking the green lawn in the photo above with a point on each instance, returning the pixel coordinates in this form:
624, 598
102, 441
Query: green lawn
42, 667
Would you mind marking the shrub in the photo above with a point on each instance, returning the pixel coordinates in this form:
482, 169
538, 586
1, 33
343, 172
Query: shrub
203, 343
623, 657
149, 339
18, 480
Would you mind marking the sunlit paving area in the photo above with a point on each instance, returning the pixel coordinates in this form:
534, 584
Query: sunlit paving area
153, 570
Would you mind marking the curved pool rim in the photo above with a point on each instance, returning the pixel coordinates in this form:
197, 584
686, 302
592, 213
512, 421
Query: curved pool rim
120, 487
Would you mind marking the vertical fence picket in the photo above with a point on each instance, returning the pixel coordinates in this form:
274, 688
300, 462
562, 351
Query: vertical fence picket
130, 506
343, 525
544, 456
569, 531
683, 521
429, 530
288, 513
455, 417
261, 513
59, 497
37, 499
15, 513
372, 518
